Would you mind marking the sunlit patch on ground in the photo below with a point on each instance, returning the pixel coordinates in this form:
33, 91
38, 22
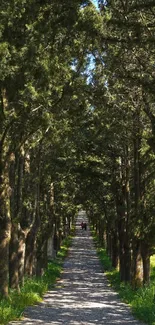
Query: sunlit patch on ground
82, 295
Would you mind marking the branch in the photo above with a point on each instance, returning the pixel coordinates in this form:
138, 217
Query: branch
4, 135
147, 110
146, 5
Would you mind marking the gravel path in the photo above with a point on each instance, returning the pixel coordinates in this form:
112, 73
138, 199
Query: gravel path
82, 296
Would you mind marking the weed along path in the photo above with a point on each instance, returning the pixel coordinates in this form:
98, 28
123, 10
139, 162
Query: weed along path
82, 296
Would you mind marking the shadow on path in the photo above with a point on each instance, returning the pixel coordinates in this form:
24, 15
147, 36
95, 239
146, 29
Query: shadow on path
82, 296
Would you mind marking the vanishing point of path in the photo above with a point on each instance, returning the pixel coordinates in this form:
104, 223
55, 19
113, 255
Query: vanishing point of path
82, 296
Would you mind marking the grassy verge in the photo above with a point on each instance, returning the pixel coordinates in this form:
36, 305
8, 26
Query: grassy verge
142, 300
33, 290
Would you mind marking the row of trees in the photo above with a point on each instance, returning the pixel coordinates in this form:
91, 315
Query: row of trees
76, 127
122, 196
44, 52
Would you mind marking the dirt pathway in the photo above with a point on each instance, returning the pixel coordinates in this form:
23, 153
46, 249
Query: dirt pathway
82, 296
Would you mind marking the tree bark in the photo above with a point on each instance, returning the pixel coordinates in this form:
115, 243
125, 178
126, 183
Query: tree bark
5, 229
146, 263
13, 261
16, 180
22, 235
31, 250
42, 259
137, 274
101, 231
30, 253
115, 250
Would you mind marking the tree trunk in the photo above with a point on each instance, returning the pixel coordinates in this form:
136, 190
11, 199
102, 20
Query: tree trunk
21, 254
124, 257
115, 251
146, 263
101, 232
16, 180
30, 250
120, 188
5, 227
13, 262
137, 272
108, 242
124, 247
42, 260
5, 232
30, 253
127, 260
51, 253
121, 259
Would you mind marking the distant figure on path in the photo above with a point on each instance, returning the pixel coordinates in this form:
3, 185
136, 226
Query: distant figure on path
83, 225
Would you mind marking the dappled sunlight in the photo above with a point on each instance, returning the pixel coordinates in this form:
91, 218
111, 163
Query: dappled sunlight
82, 295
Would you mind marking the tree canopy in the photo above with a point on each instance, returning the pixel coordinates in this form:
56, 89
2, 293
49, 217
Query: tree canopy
76, 129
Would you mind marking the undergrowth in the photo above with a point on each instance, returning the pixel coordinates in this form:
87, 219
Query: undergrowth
33, 290
142, 300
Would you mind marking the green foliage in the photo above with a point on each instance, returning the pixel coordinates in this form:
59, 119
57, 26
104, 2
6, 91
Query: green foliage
30, 294
141, 301
64, 248
13, 308
143, 304
105, 260
33, 290
39, 286
52, 273
79, 126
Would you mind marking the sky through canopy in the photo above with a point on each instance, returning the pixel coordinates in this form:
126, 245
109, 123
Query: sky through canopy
95, 2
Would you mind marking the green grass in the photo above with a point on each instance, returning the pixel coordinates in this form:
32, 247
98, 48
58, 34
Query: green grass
64, 248
141, 301
33, 290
